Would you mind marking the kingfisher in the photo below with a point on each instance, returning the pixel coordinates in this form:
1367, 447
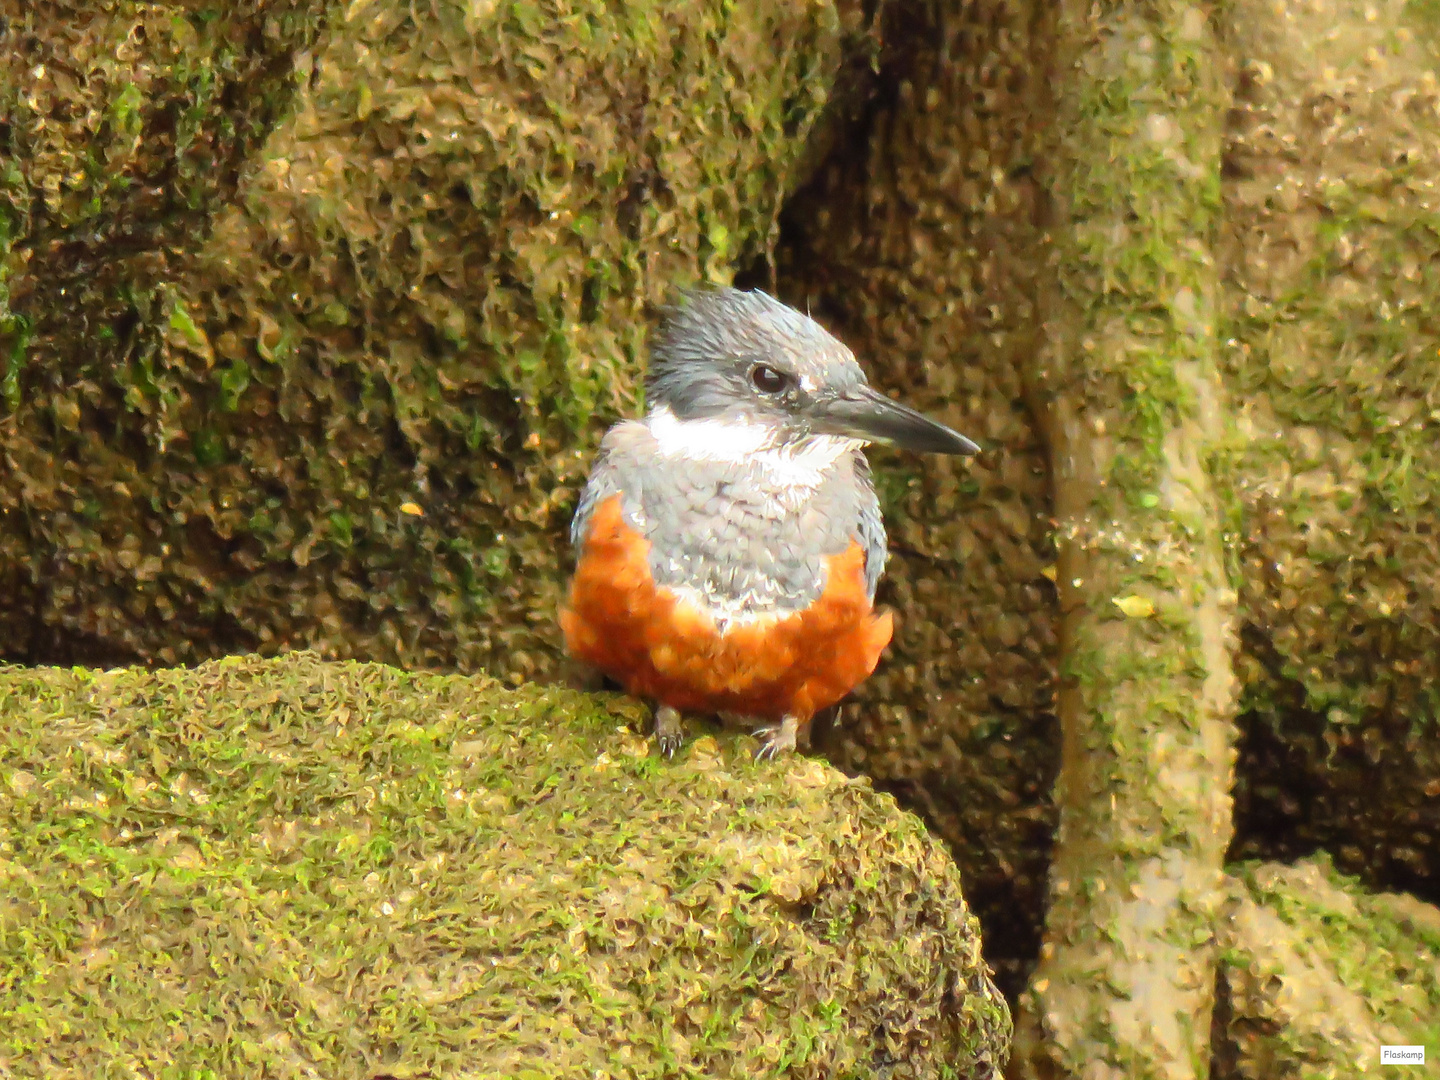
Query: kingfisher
730, 543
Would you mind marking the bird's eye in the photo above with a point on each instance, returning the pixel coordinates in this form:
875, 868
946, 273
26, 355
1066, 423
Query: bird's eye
767, 380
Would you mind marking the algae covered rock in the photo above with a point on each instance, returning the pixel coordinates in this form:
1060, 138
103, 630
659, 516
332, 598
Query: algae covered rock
1319, 974
1330, 340
124, 127
1330, 249
305, 868
426, 287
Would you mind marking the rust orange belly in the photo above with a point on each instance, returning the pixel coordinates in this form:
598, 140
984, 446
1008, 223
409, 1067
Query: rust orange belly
660, 646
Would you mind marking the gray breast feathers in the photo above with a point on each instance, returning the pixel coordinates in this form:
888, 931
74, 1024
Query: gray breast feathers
723, 534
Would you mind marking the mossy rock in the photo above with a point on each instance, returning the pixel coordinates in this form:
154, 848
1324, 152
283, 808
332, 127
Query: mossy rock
303, 868
1318, 974
1330, 337
427, 287
1331, 245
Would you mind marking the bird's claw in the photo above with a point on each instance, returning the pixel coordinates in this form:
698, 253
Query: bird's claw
669, 731
776, 740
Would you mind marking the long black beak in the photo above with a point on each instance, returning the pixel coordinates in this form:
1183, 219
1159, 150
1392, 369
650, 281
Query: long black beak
867, 414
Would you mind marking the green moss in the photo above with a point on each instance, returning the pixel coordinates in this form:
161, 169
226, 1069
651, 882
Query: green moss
1319, 973
1332, 346
1134, 402
18, 330
291, 865
388, 255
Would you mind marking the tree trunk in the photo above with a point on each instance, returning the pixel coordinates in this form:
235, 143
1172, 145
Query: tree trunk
1136, 414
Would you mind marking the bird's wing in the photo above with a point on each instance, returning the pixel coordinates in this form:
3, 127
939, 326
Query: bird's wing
608, 476
870, 527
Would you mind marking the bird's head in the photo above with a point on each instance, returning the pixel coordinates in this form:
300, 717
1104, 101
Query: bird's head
744, 367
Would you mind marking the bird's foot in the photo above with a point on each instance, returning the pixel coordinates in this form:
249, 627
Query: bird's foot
669, 730
777, 740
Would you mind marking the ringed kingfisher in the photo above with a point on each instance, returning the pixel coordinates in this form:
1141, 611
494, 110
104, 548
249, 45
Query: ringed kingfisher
729, 544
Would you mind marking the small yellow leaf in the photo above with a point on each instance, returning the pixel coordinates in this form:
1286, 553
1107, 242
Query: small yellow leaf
1048, 573
413, 509
1135, 607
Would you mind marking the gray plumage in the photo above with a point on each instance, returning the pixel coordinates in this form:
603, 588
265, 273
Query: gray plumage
718, 527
